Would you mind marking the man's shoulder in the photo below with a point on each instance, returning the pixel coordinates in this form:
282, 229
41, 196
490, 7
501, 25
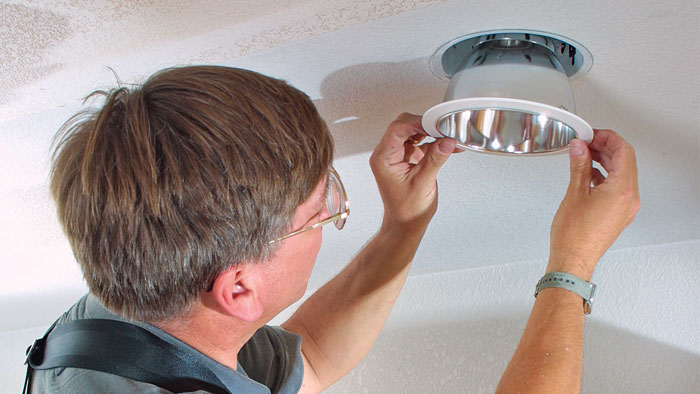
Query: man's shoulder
79, 380
87, 307
272, 357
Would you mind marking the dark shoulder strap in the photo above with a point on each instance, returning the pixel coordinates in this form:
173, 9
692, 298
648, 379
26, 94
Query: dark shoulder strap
123, 349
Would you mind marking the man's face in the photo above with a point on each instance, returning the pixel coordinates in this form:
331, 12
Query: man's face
287, 273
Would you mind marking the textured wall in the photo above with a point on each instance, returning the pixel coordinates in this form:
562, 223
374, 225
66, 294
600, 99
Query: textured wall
455, 332
48, 39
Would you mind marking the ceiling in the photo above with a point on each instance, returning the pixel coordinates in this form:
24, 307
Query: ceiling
363, 62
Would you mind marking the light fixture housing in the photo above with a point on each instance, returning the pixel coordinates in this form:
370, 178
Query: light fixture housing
509, 92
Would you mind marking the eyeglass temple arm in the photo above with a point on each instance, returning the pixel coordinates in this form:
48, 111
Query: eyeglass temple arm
331, 219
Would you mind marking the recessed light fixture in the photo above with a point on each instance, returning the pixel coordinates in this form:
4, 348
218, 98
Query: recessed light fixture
509, 92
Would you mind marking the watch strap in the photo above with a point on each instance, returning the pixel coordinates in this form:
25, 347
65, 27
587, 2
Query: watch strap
569, 282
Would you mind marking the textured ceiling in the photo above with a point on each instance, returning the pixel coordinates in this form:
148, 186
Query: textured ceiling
45, 38
363, 62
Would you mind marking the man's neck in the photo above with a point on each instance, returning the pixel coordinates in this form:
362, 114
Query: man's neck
217, 336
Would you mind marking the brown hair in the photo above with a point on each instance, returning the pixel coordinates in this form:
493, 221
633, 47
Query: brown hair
169, 184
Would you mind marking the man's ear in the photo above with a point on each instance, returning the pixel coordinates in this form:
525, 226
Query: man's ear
236, 292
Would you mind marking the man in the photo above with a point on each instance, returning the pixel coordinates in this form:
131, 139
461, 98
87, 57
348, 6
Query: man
194, 205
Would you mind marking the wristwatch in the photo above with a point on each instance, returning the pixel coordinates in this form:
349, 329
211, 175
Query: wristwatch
569, 282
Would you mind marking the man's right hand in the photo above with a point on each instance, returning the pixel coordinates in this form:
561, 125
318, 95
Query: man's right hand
595, 209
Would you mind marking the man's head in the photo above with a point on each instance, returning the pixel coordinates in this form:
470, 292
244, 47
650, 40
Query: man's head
170, 184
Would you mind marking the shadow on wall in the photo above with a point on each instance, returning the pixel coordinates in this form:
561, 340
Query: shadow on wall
360, 101
470, 356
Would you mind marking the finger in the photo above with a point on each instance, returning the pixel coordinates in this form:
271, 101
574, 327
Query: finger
606, 141
580, 165
413, 154
616, 155
602, 152
597, 177
390, 149
608, 144
435, 156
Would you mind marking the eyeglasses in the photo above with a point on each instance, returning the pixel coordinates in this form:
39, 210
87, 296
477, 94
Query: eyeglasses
336, 202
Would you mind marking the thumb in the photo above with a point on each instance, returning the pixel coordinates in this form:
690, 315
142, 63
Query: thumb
435, 157
580, 165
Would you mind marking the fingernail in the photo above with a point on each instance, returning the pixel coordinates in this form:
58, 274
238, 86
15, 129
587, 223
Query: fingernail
576, 148
416, 139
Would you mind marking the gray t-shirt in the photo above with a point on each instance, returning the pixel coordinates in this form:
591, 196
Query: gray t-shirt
269, 363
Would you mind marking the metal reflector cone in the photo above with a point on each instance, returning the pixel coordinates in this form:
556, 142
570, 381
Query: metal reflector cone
509, 94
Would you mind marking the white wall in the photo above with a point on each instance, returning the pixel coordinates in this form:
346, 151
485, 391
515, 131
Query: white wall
454, 332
